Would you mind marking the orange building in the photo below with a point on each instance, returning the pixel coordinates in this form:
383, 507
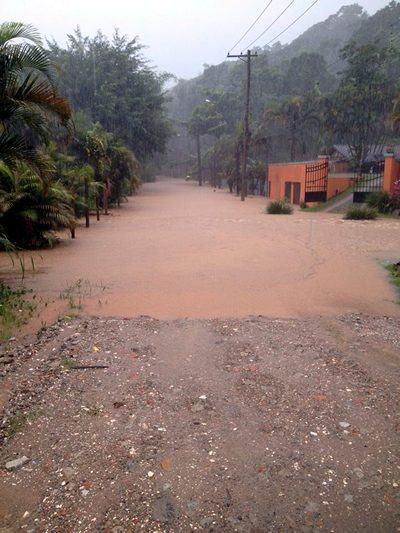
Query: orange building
314, 181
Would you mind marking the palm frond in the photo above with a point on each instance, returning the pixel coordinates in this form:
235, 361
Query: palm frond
18, 30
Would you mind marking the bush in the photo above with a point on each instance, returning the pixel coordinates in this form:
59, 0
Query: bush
361, 212
382, 201
280, 207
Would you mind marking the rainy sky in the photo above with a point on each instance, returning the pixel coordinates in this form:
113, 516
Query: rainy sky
181, 35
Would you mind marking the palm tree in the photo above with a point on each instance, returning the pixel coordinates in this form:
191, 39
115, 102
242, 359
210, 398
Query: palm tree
296, 115
32, 207
29, 102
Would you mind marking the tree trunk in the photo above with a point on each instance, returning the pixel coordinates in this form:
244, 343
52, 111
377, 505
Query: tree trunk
199, 160
97, 207
87, 218
105, 199
292, 148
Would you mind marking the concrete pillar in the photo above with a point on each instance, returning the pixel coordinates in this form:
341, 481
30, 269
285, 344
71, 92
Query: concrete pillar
390, 172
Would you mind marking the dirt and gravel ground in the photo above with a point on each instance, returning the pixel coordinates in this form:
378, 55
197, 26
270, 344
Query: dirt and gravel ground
249, 423
217, 425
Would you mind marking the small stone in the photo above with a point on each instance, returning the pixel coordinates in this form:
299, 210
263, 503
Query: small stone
207, 521
358, 472
84, 492
130, 466
312, 507
203, 397
150, 473
313, 434
16, 463
197, 407
348, 498
166, 464
68, 472
344, 425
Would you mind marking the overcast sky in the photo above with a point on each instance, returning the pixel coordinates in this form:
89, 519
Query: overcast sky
181, 35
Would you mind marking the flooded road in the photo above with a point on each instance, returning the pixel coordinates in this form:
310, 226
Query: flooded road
180, 251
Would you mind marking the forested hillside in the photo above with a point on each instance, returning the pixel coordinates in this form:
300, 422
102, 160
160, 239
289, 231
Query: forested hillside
292, 95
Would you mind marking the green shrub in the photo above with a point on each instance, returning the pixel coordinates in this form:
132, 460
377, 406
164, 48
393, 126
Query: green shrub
394, 269
382, 201
15, 310
361, 212
280, 207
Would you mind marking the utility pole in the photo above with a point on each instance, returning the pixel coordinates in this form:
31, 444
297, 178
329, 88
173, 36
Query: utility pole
246, 58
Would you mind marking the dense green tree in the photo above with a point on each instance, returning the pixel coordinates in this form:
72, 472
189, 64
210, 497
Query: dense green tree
304, 72
358, 110
112, 83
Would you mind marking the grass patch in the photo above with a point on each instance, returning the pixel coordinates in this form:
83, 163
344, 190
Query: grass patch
76, 293
360, 212
16, 423
280, 207
68, 364
394, 270
15, 309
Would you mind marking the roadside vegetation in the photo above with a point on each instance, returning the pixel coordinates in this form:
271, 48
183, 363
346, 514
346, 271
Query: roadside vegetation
16, 308
68, 147
384, 202
279, 207
361, 212
394, 269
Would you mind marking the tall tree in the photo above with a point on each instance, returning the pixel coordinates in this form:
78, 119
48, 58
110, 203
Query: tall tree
111, 82
357, 111
205, 119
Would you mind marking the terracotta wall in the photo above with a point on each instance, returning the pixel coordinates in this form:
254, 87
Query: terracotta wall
279, 174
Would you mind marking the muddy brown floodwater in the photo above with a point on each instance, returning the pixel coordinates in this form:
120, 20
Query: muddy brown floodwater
180, 251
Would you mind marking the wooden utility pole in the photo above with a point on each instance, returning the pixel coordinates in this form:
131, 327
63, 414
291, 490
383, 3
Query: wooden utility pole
246, 134
200, 170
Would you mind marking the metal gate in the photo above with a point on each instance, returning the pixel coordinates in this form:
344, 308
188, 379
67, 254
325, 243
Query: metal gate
368, 179
316, 186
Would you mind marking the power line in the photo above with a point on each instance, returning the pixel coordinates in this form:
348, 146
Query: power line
270, 26
294, 22
252, 26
